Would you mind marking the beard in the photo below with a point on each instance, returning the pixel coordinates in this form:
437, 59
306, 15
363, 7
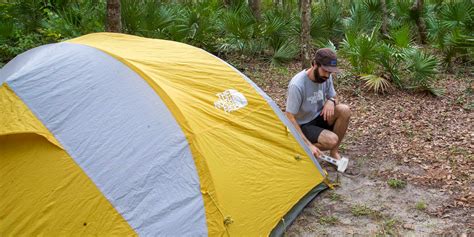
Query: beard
317, 78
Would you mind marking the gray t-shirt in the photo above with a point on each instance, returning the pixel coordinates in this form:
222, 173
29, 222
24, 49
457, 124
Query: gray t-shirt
306, 99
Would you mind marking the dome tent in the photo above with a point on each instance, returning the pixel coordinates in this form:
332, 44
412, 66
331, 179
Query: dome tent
117, 134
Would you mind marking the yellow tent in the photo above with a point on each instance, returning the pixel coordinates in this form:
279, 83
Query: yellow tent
112, 134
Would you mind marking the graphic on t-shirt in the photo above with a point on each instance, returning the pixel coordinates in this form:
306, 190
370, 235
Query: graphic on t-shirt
317, 96
230, 100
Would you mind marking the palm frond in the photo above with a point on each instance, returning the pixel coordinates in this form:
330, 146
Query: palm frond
360, 20
376, 83
437, 91
277, 28
133, 16
192, 26
325, 44
457, 14
286, 52
240, 32
390, 58
451, 28
327, 21
403, 14
361, 51
422, 69
239, 23
401, 37
373, 6
72, 20
29, 14
159, 18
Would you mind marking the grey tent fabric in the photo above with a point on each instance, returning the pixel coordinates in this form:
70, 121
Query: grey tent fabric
129, 130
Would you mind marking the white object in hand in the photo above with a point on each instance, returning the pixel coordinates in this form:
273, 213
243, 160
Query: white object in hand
341, 163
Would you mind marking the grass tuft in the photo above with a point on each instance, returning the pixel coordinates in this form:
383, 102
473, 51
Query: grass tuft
396, 183
389, 228
328, 220
335, 197
361, 210
420, 205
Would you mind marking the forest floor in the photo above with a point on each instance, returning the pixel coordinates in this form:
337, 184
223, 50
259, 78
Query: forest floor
412, 159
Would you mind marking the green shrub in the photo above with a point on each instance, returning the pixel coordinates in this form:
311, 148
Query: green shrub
450, 29
360, 20
240, 30
351, 27
19, 43
327, 21
75, 19
361, 50
422, 70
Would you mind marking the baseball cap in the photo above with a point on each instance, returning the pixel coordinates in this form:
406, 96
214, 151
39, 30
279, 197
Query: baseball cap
327, 58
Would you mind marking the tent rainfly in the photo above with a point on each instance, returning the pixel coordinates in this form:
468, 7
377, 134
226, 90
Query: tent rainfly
112, 134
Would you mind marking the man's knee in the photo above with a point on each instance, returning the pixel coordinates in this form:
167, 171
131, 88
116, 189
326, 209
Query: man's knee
330, 139
334, 139
343, 110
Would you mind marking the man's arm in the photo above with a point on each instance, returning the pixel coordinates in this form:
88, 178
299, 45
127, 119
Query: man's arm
316, 152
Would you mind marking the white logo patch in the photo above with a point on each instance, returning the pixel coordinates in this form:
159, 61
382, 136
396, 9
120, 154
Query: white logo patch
317, 96
230, 100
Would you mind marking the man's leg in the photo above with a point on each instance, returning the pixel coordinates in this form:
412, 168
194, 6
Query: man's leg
331, 140
327, 140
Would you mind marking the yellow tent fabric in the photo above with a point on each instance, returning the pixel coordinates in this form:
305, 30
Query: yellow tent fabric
43, 191
224, 145
17, 118
252, 170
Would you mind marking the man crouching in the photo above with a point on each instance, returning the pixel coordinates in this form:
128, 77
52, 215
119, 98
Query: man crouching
313, 108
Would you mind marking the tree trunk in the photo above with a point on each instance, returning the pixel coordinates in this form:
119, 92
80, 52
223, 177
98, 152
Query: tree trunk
384, 17
417, 10
114, 22
305, 34
255, 6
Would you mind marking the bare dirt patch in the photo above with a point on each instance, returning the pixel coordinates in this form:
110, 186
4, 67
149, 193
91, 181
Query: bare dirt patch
363, 206
425, 142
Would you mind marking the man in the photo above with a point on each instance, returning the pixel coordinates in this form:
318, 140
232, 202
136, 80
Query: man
313, 108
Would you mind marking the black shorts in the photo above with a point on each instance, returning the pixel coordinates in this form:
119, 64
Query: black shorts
312, 129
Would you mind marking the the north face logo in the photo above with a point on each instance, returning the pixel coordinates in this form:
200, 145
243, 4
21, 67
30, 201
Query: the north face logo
230, 100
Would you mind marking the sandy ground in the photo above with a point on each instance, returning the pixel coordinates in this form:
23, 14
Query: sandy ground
360, 206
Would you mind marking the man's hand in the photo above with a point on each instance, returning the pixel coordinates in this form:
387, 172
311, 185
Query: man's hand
316, 152
328, 110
